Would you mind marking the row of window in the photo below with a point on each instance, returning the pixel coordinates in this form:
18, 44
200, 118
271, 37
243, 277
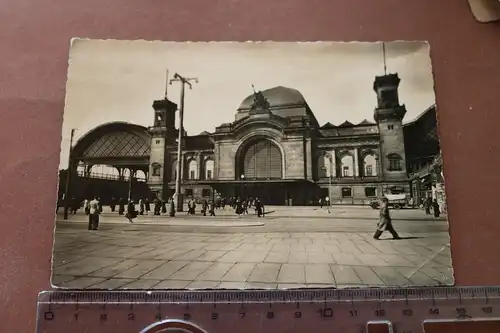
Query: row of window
324, 169
192, 169
347, 166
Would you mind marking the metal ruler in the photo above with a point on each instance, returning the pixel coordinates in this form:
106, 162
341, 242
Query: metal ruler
412, 310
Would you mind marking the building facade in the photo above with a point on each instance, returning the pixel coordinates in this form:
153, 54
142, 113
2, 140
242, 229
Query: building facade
276, 150
425, 163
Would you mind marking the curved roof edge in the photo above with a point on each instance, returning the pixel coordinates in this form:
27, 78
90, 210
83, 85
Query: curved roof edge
90, 136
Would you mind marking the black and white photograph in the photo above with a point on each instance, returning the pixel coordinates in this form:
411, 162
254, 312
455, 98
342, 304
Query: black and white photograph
250, 165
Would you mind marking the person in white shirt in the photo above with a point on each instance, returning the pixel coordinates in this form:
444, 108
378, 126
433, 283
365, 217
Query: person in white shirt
94, 212
327, 204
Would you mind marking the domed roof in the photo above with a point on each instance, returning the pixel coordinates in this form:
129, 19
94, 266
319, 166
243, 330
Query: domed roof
277, 96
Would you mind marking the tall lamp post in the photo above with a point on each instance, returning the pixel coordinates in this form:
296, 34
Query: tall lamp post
178, 195
68, 176
330, 160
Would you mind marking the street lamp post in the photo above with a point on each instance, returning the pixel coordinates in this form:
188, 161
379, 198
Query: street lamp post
68, 176
179, 202
330, 159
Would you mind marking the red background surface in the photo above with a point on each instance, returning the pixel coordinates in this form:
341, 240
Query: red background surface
34, 43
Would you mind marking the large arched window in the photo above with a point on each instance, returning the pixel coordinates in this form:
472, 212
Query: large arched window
262, 160
209, 169
347, 166
192, 170
370, 165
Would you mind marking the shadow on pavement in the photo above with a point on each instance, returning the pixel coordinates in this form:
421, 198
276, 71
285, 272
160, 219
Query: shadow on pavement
400, 238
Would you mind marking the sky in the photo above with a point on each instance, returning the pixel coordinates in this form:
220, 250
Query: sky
110, 80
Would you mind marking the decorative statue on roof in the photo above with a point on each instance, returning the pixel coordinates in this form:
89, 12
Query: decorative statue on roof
260, 102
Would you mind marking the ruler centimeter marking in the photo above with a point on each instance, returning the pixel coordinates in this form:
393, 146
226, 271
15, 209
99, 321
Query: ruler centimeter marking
355, 310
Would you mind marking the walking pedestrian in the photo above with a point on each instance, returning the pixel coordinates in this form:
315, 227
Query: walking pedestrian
171, 210
141, 207
163, 207
131, 212
112, 204
94, 214
121, 206
435, 208
428, 205
385, 222
259, 207
211, 208
204, 207
86, 208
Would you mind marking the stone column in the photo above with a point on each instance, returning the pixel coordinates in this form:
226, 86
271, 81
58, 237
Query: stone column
378, 167
86, 172
356, 163
132, 174
216, 161
334, 159
308, 157
200, 167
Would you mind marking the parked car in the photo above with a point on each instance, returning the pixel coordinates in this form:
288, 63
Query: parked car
396, 201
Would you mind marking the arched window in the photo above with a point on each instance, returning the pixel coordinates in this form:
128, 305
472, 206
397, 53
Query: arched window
156, 169
103, 171
193, 169
209, 169
325, 166
347, 166
140, 176
395, 162
262, 160
370, 165
126, 174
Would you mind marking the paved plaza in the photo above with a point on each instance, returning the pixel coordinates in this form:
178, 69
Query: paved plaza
290, 248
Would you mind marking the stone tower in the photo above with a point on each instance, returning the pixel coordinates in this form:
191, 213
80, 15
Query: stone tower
389, 115
163, 142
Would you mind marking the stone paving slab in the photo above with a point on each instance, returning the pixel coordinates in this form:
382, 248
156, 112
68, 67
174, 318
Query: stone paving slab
135, 259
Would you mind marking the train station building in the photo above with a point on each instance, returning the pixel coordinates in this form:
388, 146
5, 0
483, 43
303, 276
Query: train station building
273, 149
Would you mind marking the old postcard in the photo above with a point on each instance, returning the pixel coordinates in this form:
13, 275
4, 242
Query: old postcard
262, 165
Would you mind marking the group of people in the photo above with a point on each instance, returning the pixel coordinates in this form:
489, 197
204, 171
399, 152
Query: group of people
429, 204
93, 208
205, 206
241, 206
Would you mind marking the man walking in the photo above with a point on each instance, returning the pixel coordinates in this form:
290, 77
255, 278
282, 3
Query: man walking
259, 207
94, 214
385, 223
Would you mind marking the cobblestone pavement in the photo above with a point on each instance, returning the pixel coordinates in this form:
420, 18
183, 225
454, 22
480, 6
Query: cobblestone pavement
280, 251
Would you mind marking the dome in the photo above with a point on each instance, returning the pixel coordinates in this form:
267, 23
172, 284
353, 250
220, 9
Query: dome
277, 96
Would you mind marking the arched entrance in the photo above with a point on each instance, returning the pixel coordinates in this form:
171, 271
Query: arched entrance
261, 172
262, 160
110, 161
